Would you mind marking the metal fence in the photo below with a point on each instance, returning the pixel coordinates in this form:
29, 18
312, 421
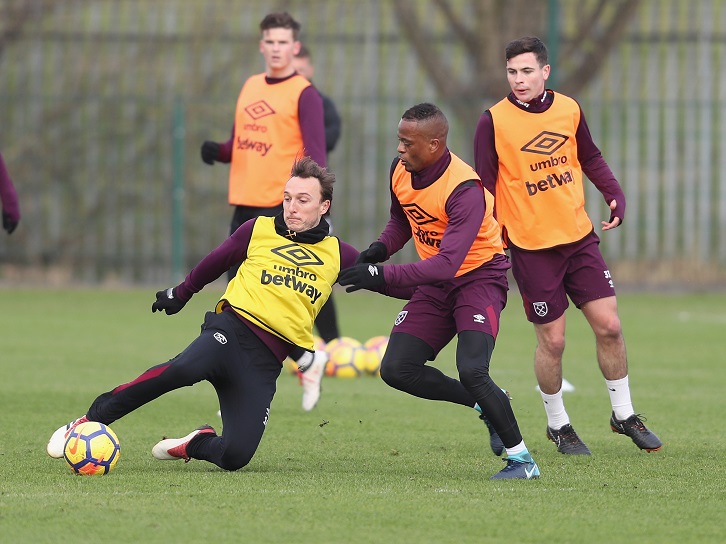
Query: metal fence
104, 105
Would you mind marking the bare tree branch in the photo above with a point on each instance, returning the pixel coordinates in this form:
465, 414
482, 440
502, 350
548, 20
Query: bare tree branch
482, 28
579, 76
468, 38
14, 17
586, 29
438, 70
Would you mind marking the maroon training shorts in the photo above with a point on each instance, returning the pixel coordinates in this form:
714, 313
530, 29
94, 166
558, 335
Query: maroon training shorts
546, 278
473, 302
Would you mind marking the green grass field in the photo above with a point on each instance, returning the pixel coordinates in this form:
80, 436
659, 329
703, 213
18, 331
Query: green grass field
368, 464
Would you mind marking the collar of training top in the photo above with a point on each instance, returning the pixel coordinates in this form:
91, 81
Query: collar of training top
311, 236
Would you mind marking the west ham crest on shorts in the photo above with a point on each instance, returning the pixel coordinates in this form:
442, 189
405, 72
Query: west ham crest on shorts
400, 317
540, 308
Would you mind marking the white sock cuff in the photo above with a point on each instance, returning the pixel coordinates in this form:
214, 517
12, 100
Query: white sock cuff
619, 391
516, 450
617, 383
556, 396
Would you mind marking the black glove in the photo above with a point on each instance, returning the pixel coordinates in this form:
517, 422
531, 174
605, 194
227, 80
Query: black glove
362, 276
166, 300
8, 224
376, 253
210, 152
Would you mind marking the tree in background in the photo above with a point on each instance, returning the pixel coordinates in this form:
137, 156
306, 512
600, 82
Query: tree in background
483, 28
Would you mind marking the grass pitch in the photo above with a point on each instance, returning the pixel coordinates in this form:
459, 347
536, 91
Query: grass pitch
368, 464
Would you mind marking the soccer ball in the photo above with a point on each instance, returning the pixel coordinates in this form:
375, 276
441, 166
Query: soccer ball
375, 349
92, 449
347, 358
291, 366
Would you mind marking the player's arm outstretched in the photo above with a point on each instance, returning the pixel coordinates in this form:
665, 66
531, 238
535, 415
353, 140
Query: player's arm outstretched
210, 268
358, 261
465, 209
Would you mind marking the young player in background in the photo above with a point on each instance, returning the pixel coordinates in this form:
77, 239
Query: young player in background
532, 150
279, 118
327, 321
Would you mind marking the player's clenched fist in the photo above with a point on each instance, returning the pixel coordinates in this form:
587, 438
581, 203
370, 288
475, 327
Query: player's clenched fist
167, 301
210, 152
376, 253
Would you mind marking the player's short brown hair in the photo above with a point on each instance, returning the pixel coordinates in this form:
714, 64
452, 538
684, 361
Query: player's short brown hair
306, 167
280, 20
528, 44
